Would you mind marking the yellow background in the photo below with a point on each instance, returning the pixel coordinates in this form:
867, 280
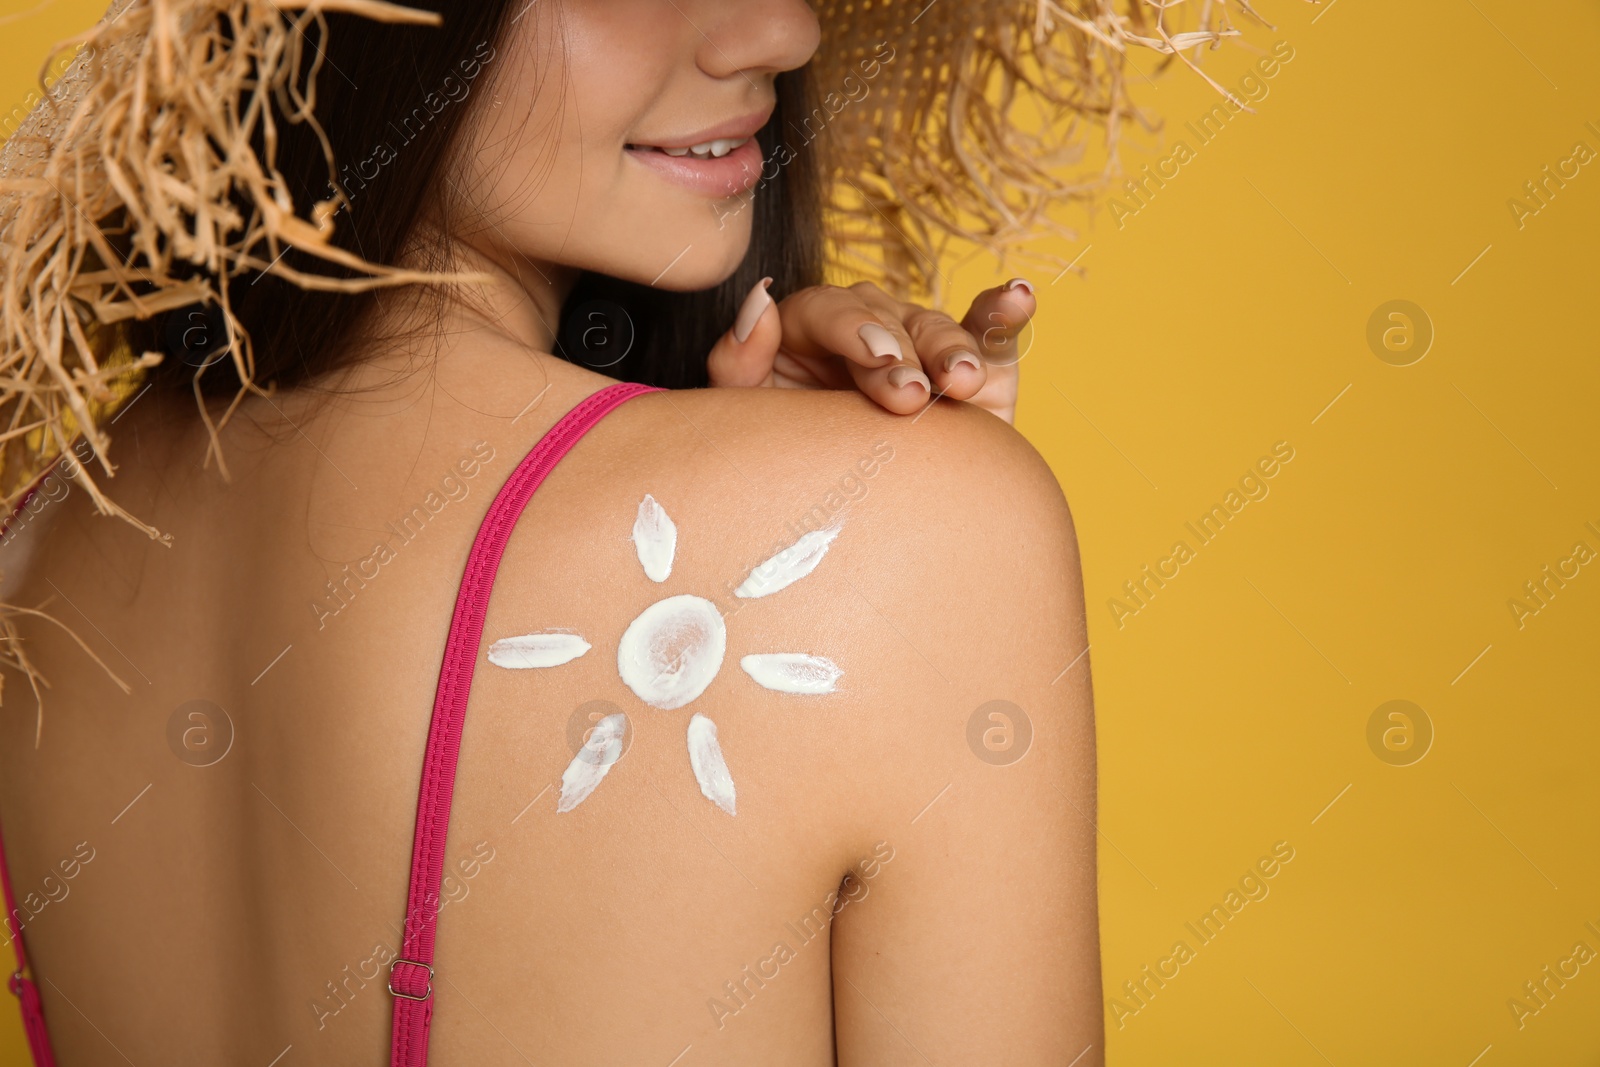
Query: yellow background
1223, 317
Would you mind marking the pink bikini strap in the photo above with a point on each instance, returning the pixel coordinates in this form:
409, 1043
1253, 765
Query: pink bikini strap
411, 976
20, 983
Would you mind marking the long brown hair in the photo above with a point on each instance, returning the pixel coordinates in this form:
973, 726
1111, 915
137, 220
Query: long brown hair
391, 100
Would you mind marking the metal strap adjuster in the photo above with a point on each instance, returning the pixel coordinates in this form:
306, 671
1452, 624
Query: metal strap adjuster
414, 963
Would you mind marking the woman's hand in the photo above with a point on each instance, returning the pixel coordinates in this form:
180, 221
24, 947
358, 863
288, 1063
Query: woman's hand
898, 354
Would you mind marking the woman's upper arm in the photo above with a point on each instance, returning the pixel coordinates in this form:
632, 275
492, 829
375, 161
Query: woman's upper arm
969, 929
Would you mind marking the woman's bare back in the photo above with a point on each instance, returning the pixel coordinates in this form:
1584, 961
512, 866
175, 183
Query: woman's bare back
898, 885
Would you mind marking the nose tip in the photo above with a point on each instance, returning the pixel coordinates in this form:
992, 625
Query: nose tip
770, 36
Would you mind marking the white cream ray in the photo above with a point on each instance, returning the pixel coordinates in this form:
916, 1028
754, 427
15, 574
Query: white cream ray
550, 648
601, 749
710, 769
788, 566
670, 653
655, 537
792, 672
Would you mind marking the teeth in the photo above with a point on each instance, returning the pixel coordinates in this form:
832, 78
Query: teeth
710, 149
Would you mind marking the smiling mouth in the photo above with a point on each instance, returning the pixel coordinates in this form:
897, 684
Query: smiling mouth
715, 149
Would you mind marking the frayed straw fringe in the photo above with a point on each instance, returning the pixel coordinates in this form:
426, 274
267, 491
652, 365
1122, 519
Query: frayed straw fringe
151, 125
150, 128
979, 128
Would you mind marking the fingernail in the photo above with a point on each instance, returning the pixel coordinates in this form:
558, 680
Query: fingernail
1019, 283
956, 359
907, 375
750, 312
880, 341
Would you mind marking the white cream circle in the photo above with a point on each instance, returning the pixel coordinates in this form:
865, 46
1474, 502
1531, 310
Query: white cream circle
670, 653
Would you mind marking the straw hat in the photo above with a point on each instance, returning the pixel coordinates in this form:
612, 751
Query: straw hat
947, 119
989, 114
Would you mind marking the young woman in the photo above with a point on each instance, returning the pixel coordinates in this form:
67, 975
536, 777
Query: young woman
764, 730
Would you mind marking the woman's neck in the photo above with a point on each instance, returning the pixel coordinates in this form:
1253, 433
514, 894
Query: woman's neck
520, 302
517, 307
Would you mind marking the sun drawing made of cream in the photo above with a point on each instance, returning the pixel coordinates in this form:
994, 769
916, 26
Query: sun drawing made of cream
672, 651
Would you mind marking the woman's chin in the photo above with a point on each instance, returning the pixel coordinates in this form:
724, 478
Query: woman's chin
688, 267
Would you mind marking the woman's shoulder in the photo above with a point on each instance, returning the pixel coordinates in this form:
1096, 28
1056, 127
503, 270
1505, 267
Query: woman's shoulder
952, 462
875, 623
950, 505
930, 557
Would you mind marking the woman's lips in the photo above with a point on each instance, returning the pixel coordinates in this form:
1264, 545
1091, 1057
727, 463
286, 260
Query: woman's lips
721, 177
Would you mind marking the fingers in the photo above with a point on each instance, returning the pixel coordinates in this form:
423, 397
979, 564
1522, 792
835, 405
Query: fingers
944, 350
856, 342
868, 327
744, 355
997, 318
900, 387
898, 354
826, 320
948, 353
